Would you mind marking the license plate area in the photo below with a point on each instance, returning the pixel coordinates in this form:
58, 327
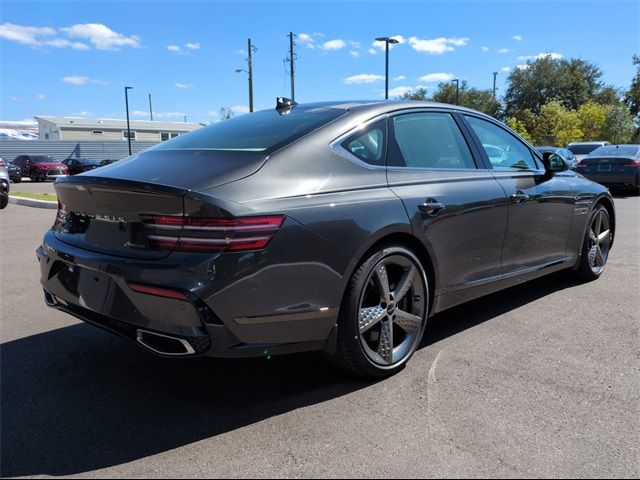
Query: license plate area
604, 168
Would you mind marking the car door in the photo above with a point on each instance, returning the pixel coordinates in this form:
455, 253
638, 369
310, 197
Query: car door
21, 162
453, 201
540, 204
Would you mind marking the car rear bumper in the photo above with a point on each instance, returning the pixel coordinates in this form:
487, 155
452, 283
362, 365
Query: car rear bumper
97, 289
613, 179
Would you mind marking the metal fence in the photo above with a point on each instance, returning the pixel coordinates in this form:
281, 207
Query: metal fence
61, 149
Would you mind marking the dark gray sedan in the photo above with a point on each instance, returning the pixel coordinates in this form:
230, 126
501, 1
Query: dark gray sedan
615, 166
335, 227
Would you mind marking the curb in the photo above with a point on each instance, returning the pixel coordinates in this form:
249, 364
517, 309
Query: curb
30, 202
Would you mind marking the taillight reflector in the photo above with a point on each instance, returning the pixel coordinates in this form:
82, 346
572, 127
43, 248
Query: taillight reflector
632, 163
158, 291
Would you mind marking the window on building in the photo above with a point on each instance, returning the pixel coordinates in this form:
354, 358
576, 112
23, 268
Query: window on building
124, 135
164, 136
174, 135
96, 132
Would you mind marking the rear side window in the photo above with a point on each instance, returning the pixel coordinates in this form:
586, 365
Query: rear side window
505, 151
582, 149
369, 145
428, 140
255, 132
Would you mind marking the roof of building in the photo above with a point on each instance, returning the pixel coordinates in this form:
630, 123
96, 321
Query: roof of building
82, 122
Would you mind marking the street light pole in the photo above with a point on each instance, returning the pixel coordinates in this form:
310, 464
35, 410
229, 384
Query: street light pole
126, 101
291, 67
387, 41
150, 109
457, 80
495, 74
250, 64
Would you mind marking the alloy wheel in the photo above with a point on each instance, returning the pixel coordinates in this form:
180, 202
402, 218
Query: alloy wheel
599, 241
392, 310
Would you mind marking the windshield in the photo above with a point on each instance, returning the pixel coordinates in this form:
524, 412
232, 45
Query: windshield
43, 159
616, 151
583, 149
254, 132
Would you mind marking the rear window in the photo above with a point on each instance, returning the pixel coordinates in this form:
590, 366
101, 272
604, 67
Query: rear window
613, 151
582, 149
43, 159
255, 132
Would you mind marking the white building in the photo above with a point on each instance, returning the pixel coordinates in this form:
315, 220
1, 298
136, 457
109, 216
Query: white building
103, 129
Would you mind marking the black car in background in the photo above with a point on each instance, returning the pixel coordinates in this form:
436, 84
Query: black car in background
566, 154
15, 173
336, 227
80, 165
614, 166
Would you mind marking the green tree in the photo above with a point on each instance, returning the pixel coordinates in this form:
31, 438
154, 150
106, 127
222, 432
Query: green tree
591, 117
474, 98
632, 96
556, 125
568, 82
618, 124
519, 126
419, 93
225, 113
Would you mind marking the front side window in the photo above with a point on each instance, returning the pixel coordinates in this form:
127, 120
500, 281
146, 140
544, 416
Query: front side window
369, 145
428, 140
505, 151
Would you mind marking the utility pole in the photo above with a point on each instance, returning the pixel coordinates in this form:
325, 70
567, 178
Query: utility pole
387, 41
495, 74
250, 64
150, 109
457, 80
291, 71
185, 119
126, 101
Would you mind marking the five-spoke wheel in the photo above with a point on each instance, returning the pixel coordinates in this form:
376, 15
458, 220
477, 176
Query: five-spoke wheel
597, 243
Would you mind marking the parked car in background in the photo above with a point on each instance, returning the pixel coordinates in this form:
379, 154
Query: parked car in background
15, 172
566, 154
40, 167
336, 227
582, 149
80, 165
108, 161
4, 184
615, 166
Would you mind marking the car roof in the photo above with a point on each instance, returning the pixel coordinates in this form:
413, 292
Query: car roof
382, 106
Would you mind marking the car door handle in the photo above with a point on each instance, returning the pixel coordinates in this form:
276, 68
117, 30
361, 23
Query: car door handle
519, 198
431, 207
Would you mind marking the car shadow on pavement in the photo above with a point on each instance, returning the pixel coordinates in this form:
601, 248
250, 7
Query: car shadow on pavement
77, 399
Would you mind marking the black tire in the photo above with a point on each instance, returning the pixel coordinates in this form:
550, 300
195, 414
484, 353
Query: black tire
587, 269
353, 352
4, 201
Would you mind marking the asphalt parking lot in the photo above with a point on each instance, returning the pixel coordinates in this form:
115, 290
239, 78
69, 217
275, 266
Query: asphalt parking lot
539, 380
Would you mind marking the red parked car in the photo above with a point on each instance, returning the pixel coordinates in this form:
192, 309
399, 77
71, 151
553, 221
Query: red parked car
40, 168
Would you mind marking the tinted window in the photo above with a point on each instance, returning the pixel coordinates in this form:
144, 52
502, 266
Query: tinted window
43, 159
505, 151
428, 140
254, 132
369, 145
617, 151
582, 149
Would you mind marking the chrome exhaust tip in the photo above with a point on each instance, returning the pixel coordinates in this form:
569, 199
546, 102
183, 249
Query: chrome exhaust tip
164, 344
49, 299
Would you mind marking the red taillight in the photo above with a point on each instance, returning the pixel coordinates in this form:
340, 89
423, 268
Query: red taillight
158, 291
198, 234
2, 164
631, 163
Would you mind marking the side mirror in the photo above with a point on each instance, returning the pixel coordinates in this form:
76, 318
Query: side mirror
554, 163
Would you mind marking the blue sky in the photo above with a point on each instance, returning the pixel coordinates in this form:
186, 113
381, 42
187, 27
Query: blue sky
74, 58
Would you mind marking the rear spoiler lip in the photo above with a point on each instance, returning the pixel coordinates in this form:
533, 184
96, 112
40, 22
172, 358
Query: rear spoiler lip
87, 182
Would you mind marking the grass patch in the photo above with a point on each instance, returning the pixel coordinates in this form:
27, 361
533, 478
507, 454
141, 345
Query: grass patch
49, 197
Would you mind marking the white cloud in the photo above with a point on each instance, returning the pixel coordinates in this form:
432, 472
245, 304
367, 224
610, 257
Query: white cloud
83, 114
398, 91
354, 53
240, 109
505, 69
192, 45
437, 77
82, 80
306, 40
552, 55
505, 50
183, 85
32, 36
15, 99
521, 67
364, 78
26, 35
174, 48
336, 44
40, 97
517, 38
101, 36
437, 46
399, 78
372, 51
485, 49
